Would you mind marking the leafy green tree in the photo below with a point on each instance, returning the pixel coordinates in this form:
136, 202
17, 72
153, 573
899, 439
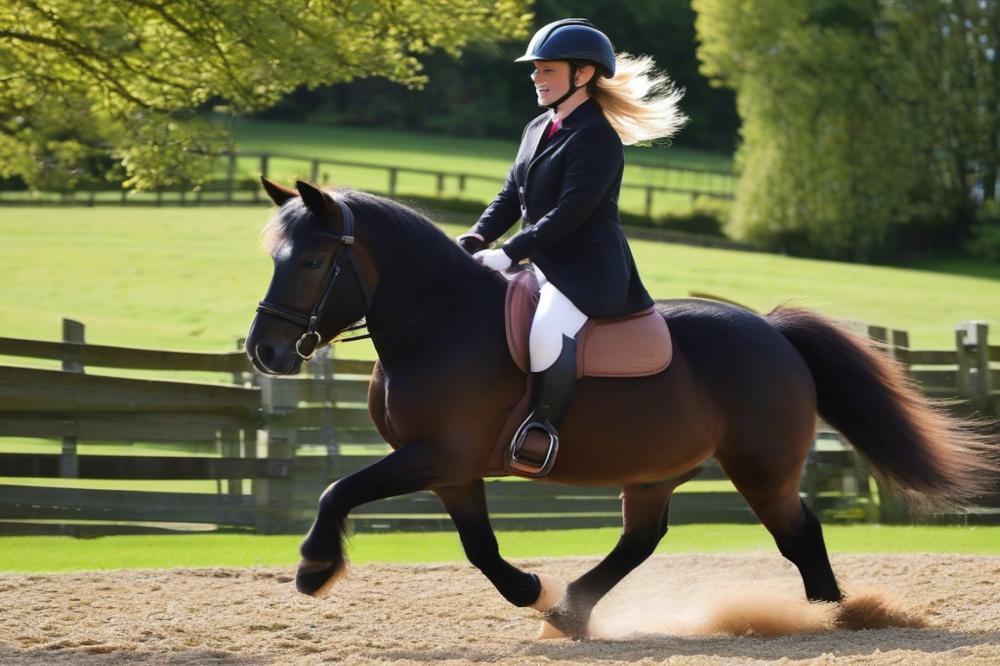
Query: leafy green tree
80, 78
865, 122
484, 93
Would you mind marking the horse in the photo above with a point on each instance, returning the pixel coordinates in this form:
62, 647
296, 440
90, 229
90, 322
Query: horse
742, 388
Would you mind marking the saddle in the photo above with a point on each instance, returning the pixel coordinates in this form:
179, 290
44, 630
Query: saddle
636, 345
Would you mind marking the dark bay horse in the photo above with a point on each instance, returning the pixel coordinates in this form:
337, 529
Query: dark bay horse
741, 387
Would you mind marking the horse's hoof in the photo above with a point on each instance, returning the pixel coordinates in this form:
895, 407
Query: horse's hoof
316, 578
552, 591
548, 632
573, 625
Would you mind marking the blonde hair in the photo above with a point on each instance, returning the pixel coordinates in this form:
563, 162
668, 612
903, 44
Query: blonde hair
640, 102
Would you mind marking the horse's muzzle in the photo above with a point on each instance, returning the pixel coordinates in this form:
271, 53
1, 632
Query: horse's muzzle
271, 362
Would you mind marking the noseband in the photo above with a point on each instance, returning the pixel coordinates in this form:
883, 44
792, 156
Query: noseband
344, 252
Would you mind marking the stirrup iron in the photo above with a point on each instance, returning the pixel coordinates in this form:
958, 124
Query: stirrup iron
527, 462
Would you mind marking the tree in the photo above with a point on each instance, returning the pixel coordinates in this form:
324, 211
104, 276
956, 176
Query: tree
485, 93
80, 78
864, 121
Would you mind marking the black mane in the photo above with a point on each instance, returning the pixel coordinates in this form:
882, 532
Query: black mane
404, 239
421, 272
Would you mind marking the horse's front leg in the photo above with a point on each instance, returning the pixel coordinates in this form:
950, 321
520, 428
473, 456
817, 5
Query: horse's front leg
414, 466
466, 505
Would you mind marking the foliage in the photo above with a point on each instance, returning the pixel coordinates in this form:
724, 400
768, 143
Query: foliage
486, 94
79, 78
984, 242
864, 121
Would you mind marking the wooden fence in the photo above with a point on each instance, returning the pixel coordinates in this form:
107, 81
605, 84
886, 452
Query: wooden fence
232, 189
272, 444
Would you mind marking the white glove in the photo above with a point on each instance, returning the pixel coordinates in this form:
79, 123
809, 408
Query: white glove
495, 259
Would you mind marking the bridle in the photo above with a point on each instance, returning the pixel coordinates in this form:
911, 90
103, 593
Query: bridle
344, 252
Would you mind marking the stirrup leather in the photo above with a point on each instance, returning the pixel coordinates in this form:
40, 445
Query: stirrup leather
535, 464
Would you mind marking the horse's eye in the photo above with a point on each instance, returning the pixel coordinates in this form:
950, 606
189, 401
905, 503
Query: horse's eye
314, 263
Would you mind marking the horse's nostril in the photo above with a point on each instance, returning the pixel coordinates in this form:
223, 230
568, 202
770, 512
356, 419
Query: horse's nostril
265, 353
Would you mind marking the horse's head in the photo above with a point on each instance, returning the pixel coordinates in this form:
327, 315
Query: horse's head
323, 278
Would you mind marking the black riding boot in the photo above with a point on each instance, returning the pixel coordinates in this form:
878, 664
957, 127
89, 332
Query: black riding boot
536, 441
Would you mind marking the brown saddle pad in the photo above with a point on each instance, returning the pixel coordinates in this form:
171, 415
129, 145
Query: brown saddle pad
635, 345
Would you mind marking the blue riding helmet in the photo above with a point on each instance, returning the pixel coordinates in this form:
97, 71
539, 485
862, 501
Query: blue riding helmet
572, 39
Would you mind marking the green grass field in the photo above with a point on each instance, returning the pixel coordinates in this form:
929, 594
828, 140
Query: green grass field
483, 157
190, 278
50, 554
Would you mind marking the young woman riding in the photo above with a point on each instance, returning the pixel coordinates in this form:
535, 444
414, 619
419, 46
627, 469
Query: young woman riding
564, 187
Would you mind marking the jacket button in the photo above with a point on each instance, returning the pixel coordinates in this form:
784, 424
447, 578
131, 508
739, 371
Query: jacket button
520, 189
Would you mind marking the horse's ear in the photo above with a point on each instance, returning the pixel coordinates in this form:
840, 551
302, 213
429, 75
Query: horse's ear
318, 201
278, 193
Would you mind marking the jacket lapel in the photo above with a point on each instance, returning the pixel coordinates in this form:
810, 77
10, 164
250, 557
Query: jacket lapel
531, 141
558, 138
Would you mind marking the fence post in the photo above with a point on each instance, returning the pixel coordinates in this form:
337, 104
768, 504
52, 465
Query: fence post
314, 172
321, 369
393, 174
972, 345
273, 498
892, 508
229, 441
649, 201
880, 333
810, 474
901, 347
69, 463
263, 171
440, 184
230, 176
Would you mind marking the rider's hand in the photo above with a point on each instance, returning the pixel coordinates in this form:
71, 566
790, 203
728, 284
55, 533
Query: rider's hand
471, 242
495, 259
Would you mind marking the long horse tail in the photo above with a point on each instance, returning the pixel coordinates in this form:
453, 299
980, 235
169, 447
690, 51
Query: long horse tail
935, 460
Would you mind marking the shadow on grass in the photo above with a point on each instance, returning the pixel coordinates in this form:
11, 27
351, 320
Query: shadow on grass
959, 266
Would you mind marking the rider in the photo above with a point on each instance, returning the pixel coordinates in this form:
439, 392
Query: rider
564, 186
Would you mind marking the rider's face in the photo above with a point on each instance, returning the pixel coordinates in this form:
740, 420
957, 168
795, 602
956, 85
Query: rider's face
551, 79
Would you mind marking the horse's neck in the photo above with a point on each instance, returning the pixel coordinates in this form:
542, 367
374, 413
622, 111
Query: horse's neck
419, 309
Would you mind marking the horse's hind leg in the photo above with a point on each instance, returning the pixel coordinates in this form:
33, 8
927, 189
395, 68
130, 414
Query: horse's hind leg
644, 510
795, 528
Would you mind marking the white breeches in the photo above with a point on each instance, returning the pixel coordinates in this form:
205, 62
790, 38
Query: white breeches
555, 317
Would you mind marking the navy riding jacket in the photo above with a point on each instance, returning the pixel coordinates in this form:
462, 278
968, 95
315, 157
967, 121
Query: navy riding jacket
565, 191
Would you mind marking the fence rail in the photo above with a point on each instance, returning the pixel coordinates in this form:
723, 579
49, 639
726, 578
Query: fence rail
268, 446
233, 190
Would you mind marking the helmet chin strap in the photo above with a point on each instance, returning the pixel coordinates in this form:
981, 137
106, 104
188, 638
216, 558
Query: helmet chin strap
572, 89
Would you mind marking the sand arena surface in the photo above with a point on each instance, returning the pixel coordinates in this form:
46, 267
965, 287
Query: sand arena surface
665, 612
